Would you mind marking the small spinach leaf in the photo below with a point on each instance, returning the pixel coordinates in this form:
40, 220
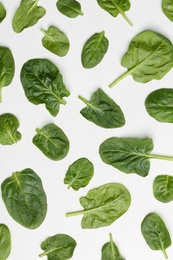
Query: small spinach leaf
163, 188
94, 50
27, 15
2, 12
79, 174
149, 56
55, 41
102, 110
8, 129
159, 105
25, 198
156, 233
52, 141
58, 247
5, 242
167, 8
43, 83
103, 205
116, 7
70, 8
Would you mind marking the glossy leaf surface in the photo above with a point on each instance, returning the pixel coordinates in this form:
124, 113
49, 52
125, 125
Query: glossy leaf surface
70, 8
167, 8
2, 12
163, 188
5, 242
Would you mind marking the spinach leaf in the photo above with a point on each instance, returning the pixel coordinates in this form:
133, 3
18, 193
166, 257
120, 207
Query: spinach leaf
159, 105
27, 15
110, 251
70, 8
129, 155
102, 110
43, 83
79, 174
2, 12
156, 233
116, 7
55, 41
5, 242
167, 8
25, 198
149, 56
103, 205
8, 129
52, 142
163, 188
94, 50
7, 68
58, 247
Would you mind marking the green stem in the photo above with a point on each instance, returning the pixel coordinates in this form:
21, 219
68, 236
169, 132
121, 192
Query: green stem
83, 100
165, 254
126, 18
77, 213
117, 80
161, 157
0, 95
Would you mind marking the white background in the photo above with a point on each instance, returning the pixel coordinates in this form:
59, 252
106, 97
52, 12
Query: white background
84, 136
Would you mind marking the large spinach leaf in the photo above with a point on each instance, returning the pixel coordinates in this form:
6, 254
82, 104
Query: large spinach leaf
27, 15
149, 56
58, 247
52, 141
5, 242
116, 7
2, 12
25, 198
102, 110
163, 188
55, 41
103, 205
159, 104
129, 155
43, 83
79, 174
94, 50
167, 8
8, 129
70, 8
156, 233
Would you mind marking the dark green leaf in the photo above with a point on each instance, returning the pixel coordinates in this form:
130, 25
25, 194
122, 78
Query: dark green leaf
70, 8
163, 188
167, 8
5, 242
2, 12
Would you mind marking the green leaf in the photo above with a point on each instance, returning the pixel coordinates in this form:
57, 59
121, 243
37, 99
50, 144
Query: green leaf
43, 83
58, 247
70, 8
163, 188
159, 104
5, 242
52, 142
102, 110
116, 7
2, 12
103, 205
27, 15
79, 174
55, 41
156, 233
24, 198
110, 251
8, 129
129, 155
149, 57
167, 8
94, 50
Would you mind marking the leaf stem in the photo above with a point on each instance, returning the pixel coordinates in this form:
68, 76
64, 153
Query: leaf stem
161, 157
126, 18
83, 100
164, 253
117, 80
77, 213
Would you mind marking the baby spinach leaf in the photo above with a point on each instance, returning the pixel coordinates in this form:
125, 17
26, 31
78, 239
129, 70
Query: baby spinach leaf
149, 56
27, 15
5, 242
156, 233
43, 83
167, 8
25, 198
103, 205
55, 41
94, 50
129, 155
79, 174
2, 12
102, 110
70, 8
116, 7
7, 68
52, 142
58, 247
159, 105
110, 251
8, 129
163, 188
